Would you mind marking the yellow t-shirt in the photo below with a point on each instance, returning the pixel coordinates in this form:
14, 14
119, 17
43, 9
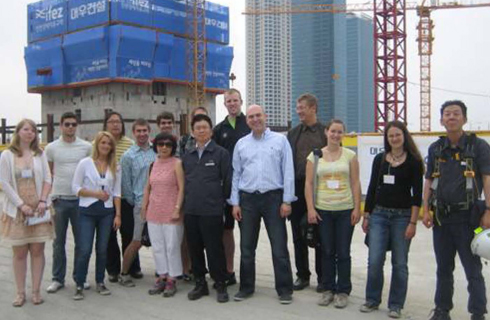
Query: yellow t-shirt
334, 192
122, 145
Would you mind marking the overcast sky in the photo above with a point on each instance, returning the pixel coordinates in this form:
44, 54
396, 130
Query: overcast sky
460, 62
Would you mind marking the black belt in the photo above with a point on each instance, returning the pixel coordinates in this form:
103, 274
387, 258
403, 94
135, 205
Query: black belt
257, 192
453, 208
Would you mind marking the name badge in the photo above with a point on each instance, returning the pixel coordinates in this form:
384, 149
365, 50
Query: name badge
333, 184
389, 179
209, 164
463, 163
26, 173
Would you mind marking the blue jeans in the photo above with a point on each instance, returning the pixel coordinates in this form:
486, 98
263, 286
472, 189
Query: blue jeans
95, 218
266, 206
449, 239
336, 232
66, 212
387, 230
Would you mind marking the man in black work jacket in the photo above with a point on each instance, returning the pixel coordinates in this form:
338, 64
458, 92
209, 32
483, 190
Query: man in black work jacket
226, 134
306, 136
207, 185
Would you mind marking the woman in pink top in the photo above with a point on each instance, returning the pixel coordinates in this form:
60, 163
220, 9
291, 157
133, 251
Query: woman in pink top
162, 202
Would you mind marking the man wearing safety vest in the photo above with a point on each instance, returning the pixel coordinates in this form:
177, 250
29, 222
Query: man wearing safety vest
458, 169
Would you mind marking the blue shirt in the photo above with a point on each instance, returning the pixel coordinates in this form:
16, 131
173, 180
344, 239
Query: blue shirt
263, 164
134, 165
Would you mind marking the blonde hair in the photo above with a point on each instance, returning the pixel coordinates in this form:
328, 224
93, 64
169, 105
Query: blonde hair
14, 146
111, 157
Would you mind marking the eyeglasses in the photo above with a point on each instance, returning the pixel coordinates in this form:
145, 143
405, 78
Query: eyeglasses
165, 144
114, 122
70, 124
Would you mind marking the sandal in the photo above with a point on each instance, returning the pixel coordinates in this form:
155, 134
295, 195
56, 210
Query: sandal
36, 298
19, 300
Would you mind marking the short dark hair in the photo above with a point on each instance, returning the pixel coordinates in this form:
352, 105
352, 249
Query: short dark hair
109, 115
201, 117
165, 115
68, 115
141, 122
162, 136
196, 109
458, 103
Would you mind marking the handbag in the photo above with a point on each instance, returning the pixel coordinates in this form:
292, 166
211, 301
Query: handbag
378, 183
35, 220
145, 236
310, 231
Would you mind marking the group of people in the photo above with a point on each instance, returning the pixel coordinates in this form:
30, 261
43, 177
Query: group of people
186, 194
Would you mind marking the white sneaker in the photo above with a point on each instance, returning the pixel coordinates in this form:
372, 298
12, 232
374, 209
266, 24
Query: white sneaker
54, 287
86, 286
341, 300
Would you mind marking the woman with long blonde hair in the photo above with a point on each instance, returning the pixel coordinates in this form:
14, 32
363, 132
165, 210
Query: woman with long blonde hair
26, 182
97, 182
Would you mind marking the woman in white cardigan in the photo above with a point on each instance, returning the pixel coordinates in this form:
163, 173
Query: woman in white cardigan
26, 181
97, 182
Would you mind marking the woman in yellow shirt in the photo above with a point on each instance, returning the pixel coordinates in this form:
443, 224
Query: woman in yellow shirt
336, 209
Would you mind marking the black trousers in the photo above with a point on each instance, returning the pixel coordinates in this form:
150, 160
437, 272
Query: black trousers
450, 239
297, 218
206, 233
113, 264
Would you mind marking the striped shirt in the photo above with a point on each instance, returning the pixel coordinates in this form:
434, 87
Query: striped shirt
262, 165
134, 165
121, 146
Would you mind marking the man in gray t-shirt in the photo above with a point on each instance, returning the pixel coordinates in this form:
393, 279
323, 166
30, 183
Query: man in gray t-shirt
63, 157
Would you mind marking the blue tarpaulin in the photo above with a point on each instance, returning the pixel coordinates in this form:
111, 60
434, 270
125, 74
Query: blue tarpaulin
132, 52
163, 55
218, 65
136, 12
50, 18
45, 64
87, 13
87, 55
120, 52
46, 19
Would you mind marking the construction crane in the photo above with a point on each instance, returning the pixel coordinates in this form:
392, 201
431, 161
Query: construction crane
390, 50
196, 53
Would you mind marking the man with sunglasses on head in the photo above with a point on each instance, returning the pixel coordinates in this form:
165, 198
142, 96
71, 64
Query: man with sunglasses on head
63, 157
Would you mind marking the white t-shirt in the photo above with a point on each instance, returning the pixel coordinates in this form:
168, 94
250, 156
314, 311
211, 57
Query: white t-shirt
65, 157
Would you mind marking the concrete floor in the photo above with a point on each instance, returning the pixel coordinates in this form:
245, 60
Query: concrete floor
135, 303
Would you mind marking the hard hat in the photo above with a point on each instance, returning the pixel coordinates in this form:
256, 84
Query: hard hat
480, 245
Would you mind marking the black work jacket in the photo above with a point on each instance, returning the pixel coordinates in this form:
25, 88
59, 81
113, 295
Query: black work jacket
207, 180
227, 136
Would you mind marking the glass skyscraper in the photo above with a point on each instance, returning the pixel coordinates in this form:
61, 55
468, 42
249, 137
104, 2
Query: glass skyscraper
360, 73
319, 63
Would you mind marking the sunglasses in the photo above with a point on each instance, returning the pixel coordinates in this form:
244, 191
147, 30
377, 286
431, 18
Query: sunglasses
165, 144
70, 124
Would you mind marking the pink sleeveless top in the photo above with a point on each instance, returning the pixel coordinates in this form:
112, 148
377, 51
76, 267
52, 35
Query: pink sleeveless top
163, 192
